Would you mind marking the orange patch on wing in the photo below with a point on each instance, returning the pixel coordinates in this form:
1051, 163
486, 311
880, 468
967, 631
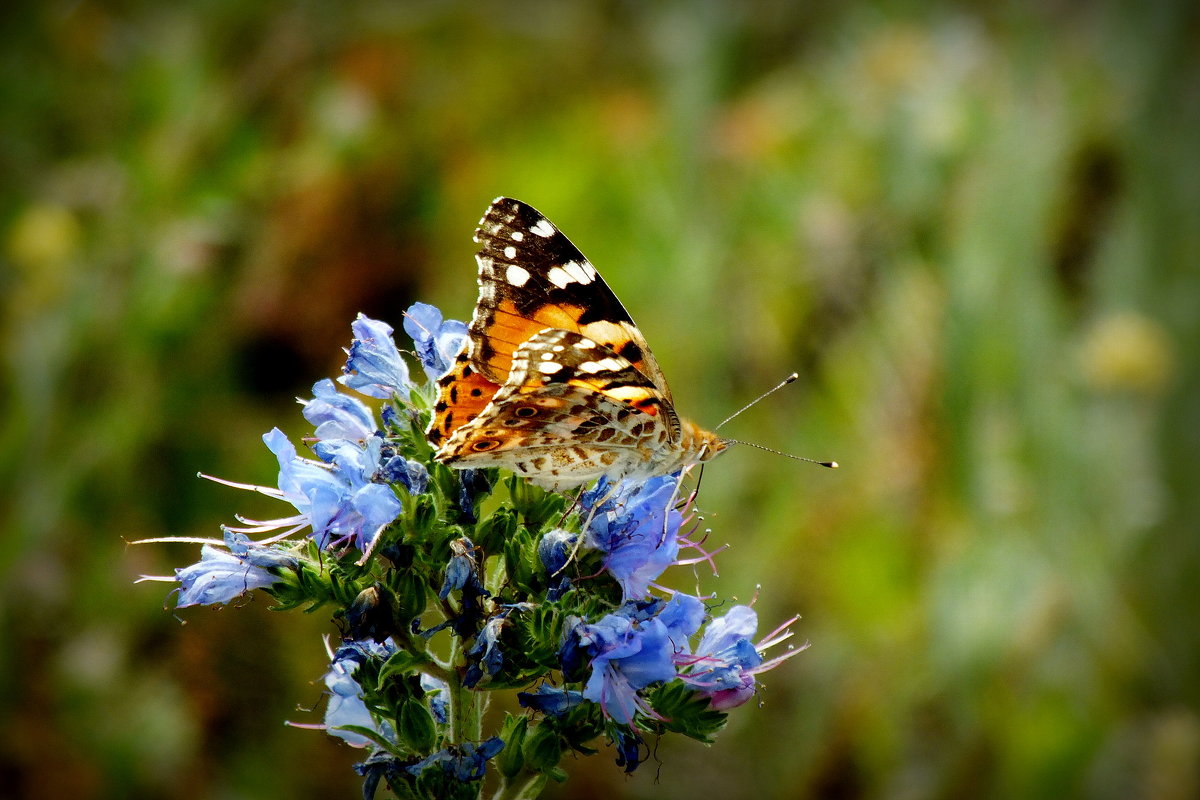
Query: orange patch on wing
509, 330
460, 399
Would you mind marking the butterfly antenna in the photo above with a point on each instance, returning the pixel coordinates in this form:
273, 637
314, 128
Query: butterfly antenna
763, 396
830, 464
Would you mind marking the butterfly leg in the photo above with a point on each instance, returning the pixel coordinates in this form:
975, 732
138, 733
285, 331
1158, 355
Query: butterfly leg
586, 523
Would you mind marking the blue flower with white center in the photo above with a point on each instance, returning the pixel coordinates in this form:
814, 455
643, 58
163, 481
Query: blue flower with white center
336, 415
726, 662
374, 365
437, 342
637, 529
346, 706
220, 575
465, 762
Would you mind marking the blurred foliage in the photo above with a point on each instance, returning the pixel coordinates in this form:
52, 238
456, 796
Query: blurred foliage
974, 229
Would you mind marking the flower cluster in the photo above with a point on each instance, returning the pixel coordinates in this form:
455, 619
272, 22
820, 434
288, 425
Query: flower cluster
440, 602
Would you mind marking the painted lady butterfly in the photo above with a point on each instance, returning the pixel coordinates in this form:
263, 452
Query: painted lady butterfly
557, 383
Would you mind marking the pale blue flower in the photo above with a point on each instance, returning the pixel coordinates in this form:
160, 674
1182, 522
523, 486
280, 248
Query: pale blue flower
374, 365
336, 415
437, 342
220, 576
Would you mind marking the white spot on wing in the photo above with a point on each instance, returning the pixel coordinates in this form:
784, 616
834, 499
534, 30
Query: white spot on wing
585, 344
543, 228
577, 272
517, 236
515, 275
510, 252
603, 365
559, 277
549, 367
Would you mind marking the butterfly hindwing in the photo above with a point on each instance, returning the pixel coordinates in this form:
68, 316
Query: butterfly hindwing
463, 393
569, 402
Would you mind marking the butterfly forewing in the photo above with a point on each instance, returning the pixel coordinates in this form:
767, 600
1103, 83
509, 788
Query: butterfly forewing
532, 277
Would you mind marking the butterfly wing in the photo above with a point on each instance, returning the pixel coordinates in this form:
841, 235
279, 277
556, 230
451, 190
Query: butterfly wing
571, 410
531, 277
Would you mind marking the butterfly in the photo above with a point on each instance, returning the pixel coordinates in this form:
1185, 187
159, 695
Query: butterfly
556, 383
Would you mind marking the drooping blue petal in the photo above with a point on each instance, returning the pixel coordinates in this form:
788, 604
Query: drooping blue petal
485, 657
218, 577
412, 475
550, 700
346, 706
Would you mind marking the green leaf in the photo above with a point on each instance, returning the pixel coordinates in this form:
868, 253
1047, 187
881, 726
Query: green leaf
685, 711
416, 726
512, 758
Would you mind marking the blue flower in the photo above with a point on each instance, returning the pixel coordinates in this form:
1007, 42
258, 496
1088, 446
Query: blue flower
346, 706
464, 762
337, 415
461, 570
553, 551
629, 747
472, 484
437, 343
412, 475
220, 575
726, 661
630, 649
626, 657
636, 528
550, 700
485, 656
436, 692
375, 367
338, 499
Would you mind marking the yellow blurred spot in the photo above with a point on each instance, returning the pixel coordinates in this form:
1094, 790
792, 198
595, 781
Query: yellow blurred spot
1126, 351
43, 237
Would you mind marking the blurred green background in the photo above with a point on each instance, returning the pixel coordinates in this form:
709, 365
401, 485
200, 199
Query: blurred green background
974, 230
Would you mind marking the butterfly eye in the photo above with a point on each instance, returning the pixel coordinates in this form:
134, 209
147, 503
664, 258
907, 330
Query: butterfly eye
485, 445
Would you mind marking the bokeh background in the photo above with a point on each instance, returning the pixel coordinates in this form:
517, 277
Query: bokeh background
974, 229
